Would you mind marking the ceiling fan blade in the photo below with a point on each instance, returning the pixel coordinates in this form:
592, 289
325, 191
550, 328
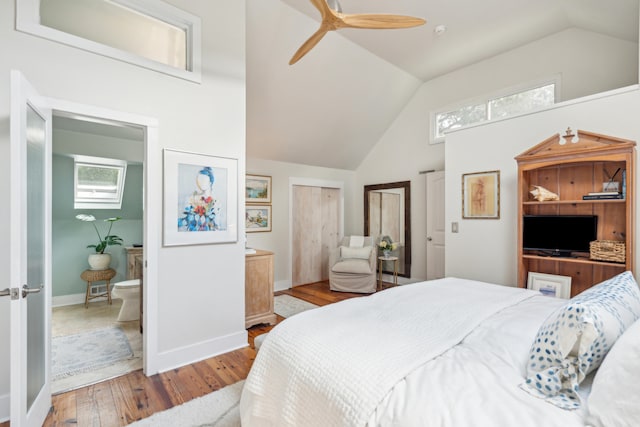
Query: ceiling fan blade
308, 45
379, 21
321, 5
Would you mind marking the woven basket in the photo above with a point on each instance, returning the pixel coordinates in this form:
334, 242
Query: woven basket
607, 250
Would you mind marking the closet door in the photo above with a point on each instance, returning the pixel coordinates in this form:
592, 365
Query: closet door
315, 232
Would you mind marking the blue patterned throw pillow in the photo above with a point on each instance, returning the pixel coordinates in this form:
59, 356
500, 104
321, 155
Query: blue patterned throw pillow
574, 339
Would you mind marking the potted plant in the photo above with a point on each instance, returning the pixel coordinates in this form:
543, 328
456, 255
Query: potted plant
386, 245
101, 260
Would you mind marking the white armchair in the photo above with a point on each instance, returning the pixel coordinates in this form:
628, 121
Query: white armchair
353, 268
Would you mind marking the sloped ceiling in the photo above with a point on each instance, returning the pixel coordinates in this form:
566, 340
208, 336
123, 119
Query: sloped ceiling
334, 105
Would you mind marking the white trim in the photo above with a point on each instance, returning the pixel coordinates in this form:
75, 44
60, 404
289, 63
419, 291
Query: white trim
203, 350
152, 221
64, 300
311, 182
4, 407
28, 21
556, 80
281, 285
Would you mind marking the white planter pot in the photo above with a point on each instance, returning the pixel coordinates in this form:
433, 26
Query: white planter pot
99, 261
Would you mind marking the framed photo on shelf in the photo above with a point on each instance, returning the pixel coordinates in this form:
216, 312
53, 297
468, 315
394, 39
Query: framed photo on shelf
481, 195
258, 189
200, 199
257, 218
550, 284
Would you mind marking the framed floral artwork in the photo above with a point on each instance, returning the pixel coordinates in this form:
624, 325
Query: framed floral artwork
258, 218
481, 195
200, 199
258, 189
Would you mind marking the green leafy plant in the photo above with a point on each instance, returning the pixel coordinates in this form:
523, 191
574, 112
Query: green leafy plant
109, 239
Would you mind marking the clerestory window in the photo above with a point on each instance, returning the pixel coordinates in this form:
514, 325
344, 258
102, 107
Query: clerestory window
149, 33
492, 107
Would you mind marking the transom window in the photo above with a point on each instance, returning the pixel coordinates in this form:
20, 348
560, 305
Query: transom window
149, 33
492, 108
98, 182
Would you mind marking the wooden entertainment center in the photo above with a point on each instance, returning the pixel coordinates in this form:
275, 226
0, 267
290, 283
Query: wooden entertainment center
572, 166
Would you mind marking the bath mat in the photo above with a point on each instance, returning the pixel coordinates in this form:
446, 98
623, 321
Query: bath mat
217, 409
72, 354
287, 306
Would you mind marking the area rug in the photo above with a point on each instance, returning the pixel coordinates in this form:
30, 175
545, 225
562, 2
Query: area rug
73, 354
287, 306
217, 409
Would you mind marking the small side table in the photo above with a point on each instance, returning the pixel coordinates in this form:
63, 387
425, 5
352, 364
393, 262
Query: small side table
382, 259
91, 276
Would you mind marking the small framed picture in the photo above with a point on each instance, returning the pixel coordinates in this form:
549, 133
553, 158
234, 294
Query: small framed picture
258, 218
550, 285
481, 195
258, 189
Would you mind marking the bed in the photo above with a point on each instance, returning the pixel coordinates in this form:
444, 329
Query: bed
448, 352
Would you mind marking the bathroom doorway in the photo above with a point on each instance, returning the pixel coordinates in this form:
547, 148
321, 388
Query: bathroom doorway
90, 340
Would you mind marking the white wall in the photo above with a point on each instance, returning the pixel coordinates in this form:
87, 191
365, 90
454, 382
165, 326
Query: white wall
486, 249
200, 289
582, 59
278, 240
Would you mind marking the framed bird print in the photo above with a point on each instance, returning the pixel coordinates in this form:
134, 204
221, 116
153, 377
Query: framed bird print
200, 199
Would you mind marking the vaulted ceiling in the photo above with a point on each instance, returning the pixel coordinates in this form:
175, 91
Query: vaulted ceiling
334, 105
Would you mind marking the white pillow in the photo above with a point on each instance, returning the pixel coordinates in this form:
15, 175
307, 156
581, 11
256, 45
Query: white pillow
613, 401
361, 253
575, 338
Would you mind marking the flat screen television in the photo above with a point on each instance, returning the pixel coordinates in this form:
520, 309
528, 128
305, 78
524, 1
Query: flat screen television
559, 235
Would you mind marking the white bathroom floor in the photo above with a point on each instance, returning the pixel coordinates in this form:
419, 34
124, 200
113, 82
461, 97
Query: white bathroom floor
73, 319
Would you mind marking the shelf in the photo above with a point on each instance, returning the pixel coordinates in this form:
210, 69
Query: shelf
572, 202
574, 260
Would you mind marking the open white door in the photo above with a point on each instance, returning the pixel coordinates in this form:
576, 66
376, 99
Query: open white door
435, 225
30, 275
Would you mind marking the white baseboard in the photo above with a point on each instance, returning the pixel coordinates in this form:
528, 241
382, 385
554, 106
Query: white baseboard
182, 356
4, 408
63, 300
282, 285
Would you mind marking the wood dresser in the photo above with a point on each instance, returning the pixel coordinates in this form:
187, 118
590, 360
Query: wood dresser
258, 297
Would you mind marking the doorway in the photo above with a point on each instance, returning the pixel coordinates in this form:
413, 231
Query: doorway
89, 343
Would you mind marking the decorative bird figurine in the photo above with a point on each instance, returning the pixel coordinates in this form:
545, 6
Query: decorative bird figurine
334, 19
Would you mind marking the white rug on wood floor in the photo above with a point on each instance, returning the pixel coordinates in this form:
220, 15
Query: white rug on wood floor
217, 409
287, 306
72, 354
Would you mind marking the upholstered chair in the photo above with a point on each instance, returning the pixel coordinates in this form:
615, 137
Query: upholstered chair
352, 265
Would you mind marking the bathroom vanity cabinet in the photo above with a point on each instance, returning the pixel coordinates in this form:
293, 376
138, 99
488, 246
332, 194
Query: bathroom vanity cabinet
258, 296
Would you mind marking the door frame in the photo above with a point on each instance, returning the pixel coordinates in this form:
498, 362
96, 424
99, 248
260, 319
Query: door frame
152, 196
310, 182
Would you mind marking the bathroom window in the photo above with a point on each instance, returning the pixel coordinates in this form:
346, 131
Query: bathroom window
98, 182
149, 33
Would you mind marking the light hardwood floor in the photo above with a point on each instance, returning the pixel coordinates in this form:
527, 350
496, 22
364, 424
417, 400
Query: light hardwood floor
122, 400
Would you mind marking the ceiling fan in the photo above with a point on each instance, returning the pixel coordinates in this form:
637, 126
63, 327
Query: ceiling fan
334, 19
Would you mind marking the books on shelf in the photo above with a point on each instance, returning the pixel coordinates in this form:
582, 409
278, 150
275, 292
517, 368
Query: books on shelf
605, 195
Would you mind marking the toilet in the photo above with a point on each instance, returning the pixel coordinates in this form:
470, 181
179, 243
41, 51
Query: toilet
129, 292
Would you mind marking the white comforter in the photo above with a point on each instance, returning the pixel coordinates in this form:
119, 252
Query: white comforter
397, 358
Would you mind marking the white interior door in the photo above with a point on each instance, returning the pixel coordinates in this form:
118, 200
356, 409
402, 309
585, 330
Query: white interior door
435, 225
30, 271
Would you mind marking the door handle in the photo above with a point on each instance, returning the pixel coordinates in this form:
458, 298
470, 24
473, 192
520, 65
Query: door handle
26, 290
12, 292
429, 239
